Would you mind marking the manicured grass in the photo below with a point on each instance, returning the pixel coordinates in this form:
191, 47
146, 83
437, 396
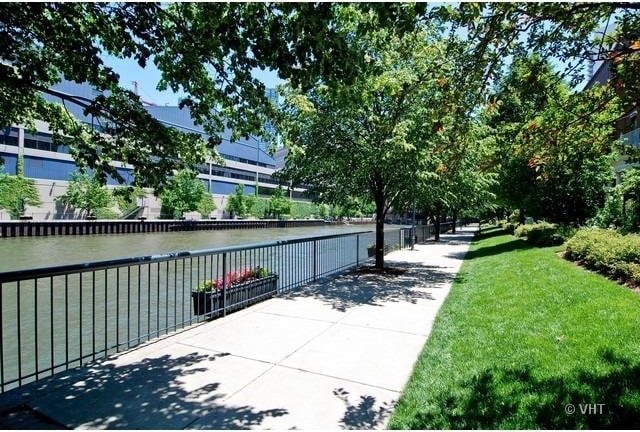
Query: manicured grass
522, 334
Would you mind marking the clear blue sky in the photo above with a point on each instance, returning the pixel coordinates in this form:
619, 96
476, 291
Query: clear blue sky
149, 77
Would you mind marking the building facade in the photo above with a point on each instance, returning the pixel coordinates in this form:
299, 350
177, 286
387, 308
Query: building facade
247, 161
627, 127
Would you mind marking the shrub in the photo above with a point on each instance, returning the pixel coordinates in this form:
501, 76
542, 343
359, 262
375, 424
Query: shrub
304, 210
607, 251
106, 213
540, 234
509, 227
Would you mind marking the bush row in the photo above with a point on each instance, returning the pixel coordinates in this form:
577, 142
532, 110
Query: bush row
540, 234
608, 252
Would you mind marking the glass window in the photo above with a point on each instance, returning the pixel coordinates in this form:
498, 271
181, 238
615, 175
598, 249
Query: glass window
9, 136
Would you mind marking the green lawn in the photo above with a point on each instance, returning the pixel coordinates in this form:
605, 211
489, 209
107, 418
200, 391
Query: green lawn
522, 334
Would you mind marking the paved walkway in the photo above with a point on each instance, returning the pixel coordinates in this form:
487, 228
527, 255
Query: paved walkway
335, 354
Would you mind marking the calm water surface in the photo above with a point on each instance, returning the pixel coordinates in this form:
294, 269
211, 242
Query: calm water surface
33, 252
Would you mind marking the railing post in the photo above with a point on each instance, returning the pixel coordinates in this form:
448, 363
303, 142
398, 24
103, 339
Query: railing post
315, 249
357, 250
224, 284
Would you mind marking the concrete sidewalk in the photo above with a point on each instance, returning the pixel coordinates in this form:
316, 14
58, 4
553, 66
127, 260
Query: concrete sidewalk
335, 354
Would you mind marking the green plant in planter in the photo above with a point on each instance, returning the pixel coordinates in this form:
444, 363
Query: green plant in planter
261, 272
233, 278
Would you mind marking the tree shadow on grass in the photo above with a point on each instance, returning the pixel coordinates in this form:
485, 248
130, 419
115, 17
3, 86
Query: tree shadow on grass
492, 232
510, 246
361, 288
165, 392
517, 399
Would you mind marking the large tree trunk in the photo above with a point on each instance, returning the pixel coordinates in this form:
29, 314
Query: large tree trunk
436, 224
522, 216
380, 213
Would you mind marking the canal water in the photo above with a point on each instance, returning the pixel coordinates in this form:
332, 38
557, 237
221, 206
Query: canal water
18, 253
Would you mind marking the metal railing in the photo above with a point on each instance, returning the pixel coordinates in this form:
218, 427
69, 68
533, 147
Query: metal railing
58, 318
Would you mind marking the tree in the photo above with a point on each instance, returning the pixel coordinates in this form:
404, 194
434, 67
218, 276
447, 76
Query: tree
240, 204
371, 139
554, 163
184, 193
572, 161
519, 97
17, 191
85, 192
206, 50
278, 204
462, 177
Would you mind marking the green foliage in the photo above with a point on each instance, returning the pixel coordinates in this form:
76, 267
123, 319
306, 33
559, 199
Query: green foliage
86, 193
304, 210
278, 205
540, 234
376, 138
522, 334
107, 213
621, 208
16, 192
323, 210
49, 41
126, 198
258, 207
553, 163
566, 31
185, 193
607, 251
508, 226
240, 204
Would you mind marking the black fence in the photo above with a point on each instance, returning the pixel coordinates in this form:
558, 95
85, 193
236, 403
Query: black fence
58, 318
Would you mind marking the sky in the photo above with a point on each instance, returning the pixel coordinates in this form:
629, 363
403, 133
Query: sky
148, 79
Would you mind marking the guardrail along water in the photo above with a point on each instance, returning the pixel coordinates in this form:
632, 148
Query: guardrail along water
61, 317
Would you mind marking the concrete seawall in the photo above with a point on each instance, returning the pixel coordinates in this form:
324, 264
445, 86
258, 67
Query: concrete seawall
36, 228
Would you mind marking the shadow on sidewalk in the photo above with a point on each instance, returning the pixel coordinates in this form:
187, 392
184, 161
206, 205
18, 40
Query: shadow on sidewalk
358, 288
153, 393
458, 238
364, 415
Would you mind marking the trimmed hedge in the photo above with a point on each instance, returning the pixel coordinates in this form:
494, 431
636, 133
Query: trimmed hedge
608, 252
540, 234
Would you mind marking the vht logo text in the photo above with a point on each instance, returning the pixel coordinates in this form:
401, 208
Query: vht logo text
591, 408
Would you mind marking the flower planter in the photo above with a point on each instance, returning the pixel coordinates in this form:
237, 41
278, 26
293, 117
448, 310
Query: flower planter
237, 296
